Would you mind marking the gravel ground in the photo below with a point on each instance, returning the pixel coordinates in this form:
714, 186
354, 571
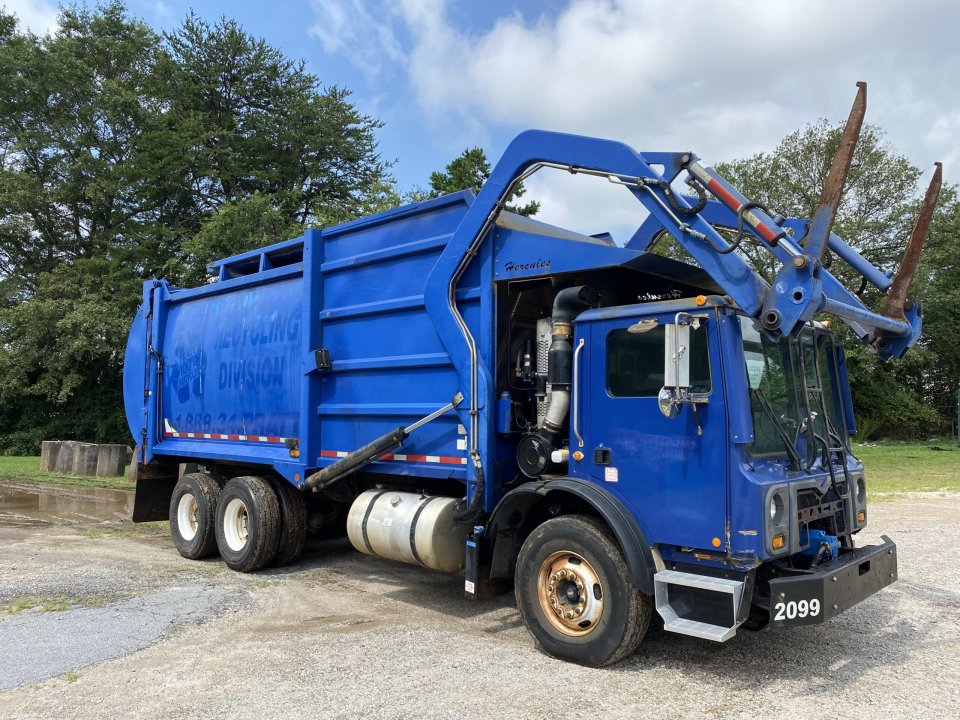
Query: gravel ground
345, 635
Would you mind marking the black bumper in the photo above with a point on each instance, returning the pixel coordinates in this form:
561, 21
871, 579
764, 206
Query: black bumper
833, 587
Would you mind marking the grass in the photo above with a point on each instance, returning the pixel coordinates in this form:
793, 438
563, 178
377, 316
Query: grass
27, 469
894, 468
59, 603
891, 468
123, 530
71, 676
42, 603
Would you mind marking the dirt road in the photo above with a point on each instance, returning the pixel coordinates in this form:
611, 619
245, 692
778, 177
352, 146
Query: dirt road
147, 633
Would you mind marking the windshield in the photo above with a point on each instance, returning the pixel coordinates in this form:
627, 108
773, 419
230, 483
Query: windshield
794, 395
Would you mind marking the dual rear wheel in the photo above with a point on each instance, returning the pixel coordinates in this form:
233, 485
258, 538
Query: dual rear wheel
250, 521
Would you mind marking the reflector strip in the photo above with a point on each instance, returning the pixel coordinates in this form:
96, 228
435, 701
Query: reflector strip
440, 459
220, 436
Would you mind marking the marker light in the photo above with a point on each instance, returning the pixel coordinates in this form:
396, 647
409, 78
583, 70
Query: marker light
777, 542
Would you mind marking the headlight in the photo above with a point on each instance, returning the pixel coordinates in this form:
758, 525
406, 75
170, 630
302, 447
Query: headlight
861, 491
776, 509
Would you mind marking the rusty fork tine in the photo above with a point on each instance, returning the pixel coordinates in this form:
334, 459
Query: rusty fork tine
822, 225
897, 296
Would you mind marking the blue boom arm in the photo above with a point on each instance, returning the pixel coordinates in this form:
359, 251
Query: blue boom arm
802, 287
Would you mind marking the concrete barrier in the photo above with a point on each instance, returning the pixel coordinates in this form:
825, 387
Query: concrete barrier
68, 457
64, 464
111, 460
85, 459
49, 449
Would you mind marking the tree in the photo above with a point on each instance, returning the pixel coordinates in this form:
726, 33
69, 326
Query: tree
471, 170
76, 122
938, 287
126, 155
255, 121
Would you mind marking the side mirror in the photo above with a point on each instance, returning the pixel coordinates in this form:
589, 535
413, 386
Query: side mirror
676, 364
676, 356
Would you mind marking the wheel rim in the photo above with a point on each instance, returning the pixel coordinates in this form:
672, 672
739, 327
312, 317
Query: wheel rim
187, 522
570, 593
235, 524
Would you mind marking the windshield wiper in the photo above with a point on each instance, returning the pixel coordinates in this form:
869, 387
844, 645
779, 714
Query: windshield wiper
787, 444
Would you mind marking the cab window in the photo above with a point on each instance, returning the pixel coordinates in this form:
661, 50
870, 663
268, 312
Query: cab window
635, 362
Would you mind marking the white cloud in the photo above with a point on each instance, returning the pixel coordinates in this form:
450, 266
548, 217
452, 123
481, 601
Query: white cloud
724, 79
367, 39
161, 11
734, 75
38, 16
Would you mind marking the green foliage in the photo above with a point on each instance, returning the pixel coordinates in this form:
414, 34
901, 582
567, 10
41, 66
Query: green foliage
470, 170
126, 155
236, 226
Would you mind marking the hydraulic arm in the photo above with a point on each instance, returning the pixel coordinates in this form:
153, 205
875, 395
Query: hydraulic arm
802, 287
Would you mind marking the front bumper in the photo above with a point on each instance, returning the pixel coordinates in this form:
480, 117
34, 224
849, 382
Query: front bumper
827, 590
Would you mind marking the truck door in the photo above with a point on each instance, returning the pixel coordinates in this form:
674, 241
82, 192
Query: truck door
671, 471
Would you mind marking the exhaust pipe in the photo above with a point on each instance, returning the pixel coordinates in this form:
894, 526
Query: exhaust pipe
533, 452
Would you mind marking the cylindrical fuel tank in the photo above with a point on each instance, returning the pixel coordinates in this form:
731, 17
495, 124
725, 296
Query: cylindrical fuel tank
412, 528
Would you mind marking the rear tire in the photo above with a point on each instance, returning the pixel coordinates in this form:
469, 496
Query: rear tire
248, 523
293, 532
574, 592
193, 509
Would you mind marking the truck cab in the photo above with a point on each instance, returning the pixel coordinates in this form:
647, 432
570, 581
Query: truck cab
730, 448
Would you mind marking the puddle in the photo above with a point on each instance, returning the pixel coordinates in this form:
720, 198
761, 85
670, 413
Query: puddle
24, 505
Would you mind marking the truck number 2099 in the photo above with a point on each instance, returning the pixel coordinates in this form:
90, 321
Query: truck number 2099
791, 610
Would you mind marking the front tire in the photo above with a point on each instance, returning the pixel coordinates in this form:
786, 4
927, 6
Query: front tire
193, 508
574, 592
248, 523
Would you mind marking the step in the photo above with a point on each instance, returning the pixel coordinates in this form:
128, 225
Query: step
698, 629
670, 608
704, 582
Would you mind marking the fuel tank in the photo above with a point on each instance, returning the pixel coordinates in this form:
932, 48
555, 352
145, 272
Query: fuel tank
412, 528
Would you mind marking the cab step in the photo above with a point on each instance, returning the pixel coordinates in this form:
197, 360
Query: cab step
699, 605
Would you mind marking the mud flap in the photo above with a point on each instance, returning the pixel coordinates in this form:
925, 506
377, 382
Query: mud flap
155, 484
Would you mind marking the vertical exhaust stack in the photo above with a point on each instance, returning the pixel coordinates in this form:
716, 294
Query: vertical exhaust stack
896, 300
533, 452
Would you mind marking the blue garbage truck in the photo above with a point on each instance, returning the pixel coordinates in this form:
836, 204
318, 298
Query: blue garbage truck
612, 431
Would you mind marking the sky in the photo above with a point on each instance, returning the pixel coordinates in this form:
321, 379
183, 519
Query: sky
724, 78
